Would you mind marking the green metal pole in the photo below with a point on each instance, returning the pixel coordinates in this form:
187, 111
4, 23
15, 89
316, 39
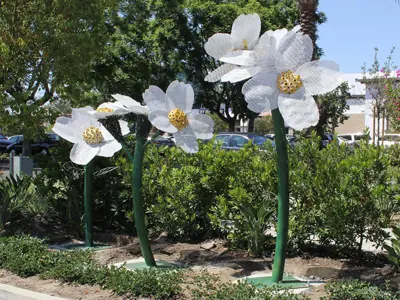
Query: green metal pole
88, 204
283, 196
138, 209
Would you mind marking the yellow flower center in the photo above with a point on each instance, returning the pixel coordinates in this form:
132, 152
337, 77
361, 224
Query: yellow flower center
104, 109
288, 82
92, 135
245, 44
178, 118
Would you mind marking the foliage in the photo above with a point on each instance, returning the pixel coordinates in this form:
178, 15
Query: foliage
357, 290
27, 256
394, 250
377, 79
332, 107
219, 124
341, 195
18, 197
264, 125
46, 51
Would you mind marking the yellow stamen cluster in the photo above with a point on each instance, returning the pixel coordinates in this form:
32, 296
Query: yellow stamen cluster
92, 135
105, 109
245, 44
178, 118
288, 82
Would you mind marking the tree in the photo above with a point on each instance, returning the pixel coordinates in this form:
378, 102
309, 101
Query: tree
264, 125
219, 125
46, 48
332, 107
154, 42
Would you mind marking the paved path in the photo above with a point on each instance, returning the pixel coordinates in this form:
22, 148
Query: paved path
8, 292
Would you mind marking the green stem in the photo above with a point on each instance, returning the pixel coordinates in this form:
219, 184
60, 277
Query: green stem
88, 203
138, 208
156, 135
283, 196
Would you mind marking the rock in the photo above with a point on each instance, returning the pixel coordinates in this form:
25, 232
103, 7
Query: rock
387, 270
311, 277
167, 252
208, 246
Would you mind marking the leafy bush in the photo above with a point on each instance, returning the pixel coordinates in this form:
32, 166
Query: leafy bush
27, 256
357, 290
394, 250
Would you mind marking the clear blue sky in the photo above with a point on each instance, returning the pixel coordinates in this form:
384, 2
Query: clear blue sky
355, 28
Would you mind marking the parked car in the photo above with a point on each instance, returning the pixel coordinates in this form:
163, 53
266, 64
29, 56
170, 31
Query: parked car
43, 146
237, 140
354, 138
4, 143
328, 138
164, 141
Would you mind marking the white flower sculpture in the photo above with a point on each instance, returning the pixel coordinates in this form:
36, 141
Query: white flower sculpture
236, 46
242, 60
280, 63
131, 105
89, 136
172, 113
288, 79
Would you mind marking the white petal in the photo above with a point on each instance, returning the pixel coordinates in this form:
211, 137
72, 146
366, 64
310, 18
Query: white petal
240, 74
107, 136
216, 75
108, 149
261, 92
279, 35
83, 118
266, 44
239, 57
218, 45
125, 100
296, 50
82, 153
159, 118
186, 139
288, 37
124, 127
202, 125
156, 99
246, 31
67, 129
320, 77
182, 95
299, 113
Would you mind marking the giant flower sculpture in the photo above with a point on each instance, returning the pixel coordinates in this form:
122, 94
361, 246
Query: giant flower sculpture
130, 104
172, 112
236, 46
243, 58
288, 81
89, 136
284, 81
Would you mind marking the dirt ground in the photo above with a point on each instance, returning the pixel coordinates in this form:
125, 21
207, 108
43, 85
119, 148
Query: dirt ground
217, 260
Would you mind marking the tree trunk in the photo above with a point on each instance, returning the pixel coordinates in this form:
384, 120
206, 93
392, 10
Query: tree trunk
26, 147
250, 127
232, 124
308, 18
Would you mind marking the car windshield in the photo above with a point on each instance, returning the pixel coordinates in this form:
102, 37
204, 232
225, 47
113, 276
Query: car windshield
2, 137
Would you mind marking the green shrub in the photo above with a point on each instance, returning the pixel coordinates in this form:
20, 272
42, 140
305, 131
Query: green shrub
357, 290
27, 256
394, 250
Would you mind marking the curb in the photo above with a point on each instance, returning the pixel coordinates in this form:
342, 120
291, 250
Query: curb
8, 292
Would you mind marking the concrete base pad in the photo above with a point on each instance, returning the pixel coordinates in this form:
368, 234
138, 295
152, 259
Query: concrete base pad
139, 264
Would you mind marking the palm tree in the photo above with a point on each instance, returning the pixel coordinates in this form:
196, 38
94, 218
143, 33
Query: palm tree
308, 19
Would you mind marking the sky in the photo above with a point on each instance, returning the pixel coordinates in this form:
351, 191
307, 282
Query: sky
355, 27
